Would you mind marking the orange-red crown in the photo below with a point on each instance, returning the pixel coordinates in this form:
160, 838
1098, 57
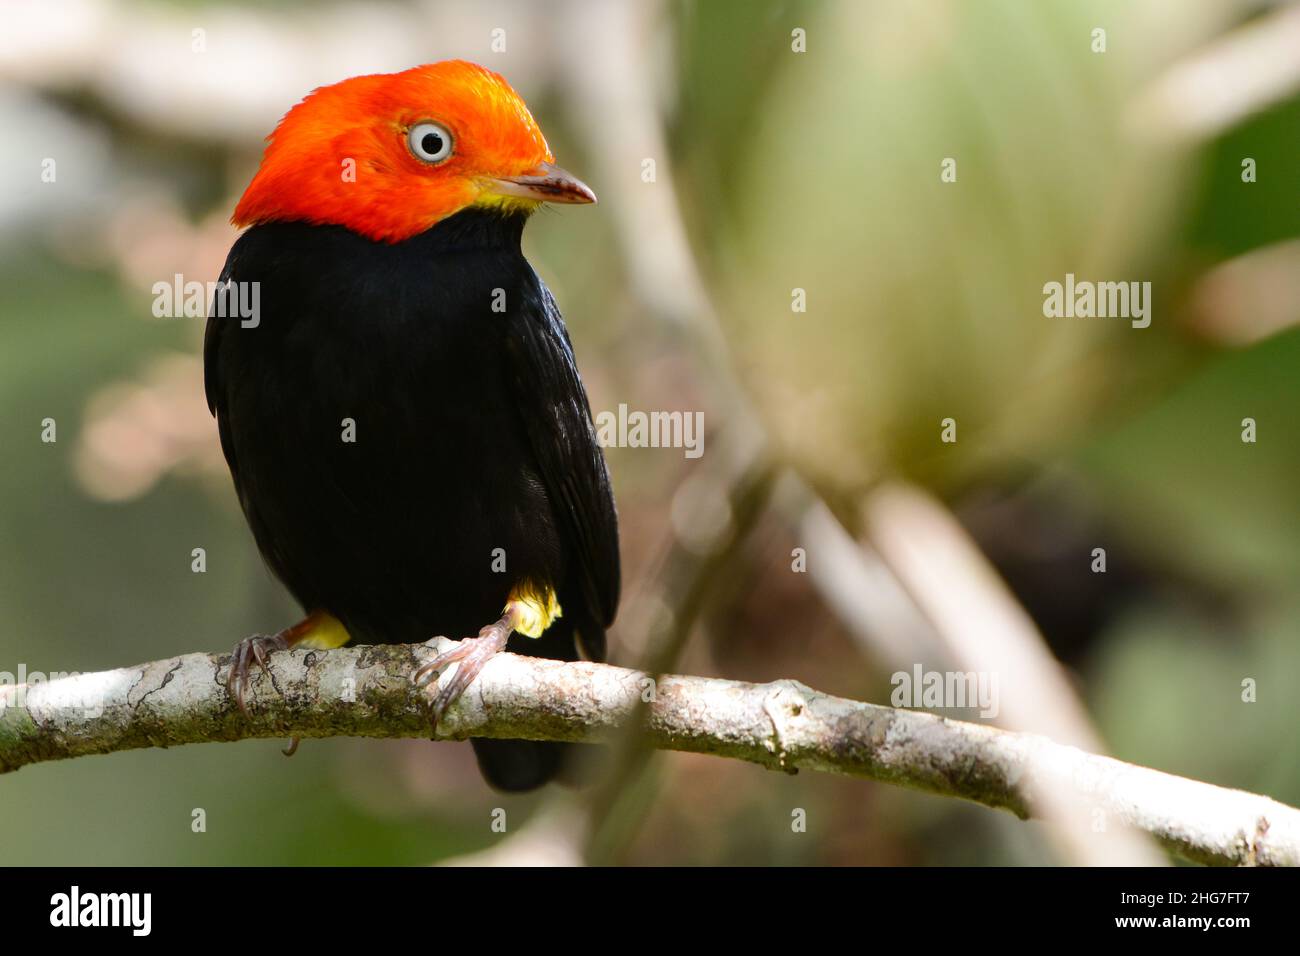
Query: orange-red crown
342, 155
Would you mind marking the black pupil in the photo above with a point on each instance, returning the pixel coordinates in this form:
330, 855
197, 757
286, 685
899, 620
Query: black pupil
431, 143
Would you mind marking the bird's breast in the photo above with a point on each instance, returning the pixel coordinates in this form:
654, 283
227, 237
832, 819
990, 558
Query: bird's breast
374, 441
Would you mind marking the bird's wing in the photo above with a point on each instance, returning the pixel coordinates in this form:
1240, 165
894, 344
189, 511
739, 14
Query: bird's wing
557, 419
212, 383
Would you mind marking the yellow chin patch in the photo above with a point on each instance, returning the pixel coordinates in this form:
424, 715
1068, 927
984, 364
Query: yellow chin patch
534, 610
505, 204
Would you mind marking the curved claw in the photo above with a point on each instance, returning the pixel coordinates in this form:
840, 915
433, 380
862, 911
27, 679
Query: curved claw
448, 693
425, 672
471, 654
255, 649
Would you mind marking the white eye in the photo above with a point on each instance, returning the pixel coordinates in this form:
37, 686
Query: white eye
430, 142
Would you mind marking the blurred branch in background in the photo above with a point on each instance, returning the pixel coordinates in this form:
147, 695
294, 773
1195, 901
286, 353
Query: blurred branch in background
921, 591
614, 84
783, 725
986, 630
1222, 83
695, 567
1249, 298
138, 58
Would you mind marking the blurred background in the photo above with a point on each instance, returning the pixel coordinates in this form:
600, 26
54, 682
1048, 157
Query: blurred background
827, 533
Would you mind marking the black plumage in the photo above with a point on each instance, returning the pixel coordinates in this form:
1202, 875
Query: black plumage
472, 433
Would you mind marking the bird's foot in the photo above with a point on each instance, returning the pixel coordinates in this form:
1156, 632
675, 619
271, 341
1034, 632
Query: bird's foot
319, 630
470, 654
251, 650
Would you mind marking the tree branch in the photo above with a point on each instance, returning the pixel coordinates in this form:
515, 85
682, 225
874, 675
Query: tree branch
366, 692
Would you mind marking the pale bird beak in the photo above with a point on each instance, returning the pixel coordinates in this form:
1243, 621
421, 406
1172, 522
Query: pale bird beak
545, 182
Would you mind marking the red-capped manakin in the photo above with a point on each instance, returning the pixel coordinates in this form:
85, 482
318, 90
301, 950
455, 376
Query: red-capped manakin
384, 230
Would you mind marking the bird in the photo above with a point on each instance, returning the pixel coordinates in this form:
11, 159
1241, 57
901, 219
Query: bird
403, 418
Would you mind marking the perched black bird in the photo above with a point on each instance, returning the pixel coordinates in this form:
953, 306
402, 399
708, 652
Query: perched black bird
403, 417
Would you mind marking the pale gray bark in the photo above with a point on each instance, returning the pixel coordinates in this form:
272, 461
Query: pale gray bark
366, 692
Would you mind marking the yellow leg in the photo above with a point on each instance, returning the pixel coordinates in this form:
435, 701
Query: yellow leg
319, 630
533, 609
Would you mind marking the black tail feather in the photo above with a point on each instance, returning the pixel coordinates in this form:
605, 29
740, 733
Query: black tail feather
518, 765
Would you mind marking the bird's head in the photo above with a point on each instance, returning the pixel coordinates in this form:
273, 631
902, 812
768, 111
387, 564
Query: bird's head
388, 156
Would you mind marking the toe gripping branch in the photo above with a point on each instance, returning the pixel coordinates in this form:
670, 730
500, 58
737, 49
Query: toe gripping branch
470, 655
252, 650
318, 629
